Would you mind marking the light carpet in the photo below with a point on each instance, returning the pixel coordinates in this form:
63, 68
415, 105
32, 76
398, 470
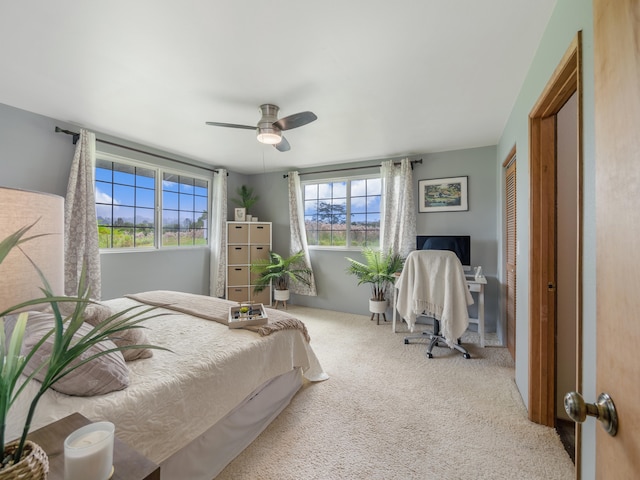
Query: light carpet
388, 412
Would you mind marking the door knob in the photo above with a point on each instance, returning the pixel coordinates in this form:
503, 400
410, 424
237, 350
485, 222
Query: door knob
604, 410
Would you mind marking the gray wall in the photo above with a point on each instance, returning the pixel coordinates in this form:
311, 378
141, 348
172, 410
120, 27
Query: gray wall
569, 17
338, 291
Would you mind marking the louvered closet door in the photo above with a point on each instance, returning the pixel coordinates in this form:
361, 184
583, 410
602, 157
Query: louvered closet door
510, 196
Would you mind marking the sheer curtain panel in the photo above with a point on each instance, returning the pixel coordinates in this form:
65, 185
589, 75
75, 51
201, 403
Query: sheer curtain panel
298, 233
399, 212
81, 247
218, 233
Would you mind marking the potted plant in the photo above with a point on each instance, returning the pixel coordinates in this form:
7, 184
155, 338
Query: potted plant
21, 458
245, 198
378, 270
280, 271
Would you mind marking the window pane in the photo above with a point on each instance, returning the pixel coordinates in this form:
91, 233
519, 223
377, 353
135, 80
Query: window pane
325, 190
311, 191
374, 186
186, 185
103, 212
144, 217
124, 174
169, 237
339, 239
358, 188
123, 195
186, 202
104, 174
145, 198
145, 178
358, 205
310, 207
201, 204
170, 219
170, 183
373, 204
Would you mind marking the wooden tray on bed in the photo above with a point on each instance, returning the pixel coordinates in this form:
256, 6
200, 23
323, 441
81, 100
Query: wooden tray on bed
255, 315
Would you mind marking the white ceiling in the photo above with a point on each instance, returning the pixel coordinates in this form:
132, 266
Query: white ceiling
385, 78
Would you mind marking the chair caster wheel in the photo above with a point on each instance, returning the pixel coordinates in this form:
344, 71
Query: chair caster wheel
429, 355
466, 355
406, 342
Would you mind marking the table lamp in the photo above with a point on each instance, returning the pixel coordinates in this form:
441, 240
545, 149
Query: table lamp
19, 280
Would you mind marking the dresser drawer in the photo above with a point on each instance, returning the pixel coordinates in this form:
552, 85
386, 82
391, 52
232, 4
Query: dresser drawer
261, 233
238, 233
237, 254
238, 294
259, 252
237, 275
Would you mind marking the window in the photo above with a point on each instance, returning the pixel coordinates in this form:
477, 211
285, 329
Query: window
127, 200
343, 213
184, 210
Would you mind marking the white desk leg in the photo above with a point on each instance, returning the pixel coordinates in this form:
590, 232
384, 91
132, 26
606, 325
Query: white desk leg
481, 315
395, 299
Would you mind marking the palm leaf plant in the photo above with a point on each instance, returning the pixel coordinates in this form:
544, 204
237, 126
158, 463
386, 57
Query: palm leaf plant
246, 197
377, 270
66, 350
281, 271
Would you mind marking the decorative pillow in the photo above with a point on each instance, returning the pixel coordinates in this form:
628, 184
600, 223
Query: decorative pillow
102, 375
97, 312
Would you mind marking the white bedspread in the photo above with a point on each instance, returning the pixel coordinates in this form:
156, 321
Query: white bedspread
175, 397
433, 282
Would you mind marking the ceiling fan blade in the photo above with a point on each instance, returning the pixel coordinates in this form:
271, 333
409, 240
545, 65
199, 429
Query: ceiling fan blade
283, 146
231, 125
296, 120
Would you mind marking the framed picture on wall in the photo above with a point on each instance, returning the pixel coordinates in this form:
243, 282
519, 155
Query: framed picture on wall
240, 214
443, 195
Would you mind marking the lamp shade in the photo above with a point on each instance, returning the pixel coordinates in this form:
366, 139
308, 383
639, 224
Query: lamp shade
19, 280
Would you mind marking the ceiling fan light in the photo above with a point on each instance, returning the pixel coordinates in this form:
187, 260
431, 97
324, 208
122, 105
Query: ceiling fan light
270, 136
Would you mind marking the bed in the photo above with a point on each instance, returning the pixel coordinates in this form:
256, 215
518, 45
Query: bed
194, 409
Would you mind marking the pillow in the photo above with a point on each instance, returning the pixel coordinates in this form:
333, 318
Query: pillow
102, 375
97, 312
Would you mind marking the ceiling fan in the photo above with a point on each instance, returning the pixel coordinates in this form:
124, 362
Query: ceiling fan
269, 128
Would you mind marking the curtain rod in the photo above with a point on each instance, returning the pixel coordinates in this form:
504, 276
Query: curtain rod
76, 136
351, 168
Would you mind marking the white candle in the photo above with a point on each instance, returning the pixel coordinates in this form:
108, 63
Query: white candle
88, 452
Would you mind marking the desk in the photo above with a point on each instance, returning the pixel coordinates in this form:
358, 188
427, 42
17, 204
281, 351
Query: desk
129, 464
475, 286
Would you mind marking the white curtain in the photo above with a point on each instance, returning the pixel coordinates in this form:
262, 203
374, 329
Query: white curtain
399, 217
218, 233
81, 247
298, 233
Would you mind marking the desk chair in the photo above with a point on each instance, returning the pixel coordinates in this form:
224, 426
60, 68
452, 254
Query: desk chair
433, 284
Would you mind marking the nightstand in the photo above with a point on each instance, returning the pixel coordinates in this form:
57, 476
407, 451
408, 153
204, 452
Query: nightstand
129, 464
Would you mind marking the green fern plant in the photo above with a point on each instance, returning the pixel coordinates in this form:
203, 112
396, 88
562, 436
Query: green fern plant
281, 271
246, 197
377, 270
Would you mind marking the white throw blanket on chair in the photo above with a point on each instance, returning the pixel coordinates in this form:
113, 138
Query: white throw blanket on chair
433, 283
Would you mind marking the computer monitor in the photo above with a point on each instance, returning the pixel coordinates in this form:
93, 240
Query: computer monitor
459, 244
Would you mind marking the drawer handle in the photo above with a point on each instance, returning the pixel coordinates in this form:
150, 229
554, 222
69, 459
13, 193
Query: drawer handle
238, 269
259, 248
238, 248
259, 227
238, 226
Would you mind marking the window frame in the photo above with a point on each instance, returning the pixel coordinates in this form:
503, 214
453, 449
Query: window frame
158, 202
348, 179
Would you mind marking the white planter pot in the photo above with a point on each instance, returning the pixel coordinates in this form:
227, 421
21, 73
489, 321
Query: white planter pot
377, 306
281, 295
